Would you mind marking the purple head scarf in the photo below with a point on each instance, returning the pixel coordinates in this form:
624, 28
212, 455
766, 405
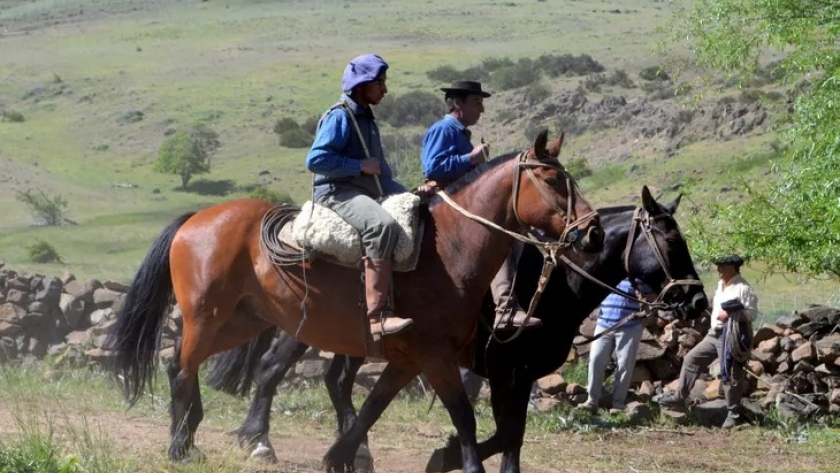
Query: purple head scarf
365, 68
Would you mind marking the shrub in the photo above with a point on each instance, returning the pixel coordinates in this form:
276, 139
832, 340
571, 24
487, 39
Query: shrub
269, 195
298, 138
42, 207
568, 65
513, 77
593, 82
654, 73
403, 154
284, 125
411, 109
445, 73
620, 78
578, 168
42, 252
310, 124
536, 93
13, 116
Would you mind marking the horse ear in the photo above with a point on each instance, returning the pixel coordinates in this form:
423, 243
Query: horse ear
538, 149
672, 207
556, 145
649, 203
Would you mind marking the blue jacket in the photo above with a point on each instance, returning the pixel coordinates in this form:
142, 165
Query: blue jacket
336, 153
615, 307
446, 149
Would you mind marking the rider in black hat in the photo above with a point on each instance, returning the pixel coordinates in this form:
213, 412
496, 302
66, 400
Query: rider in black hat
448, 154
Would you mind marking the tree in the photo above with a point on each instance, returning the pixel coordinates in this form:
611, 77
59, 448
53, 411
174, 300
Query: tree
48, 209
790, 221
187, 153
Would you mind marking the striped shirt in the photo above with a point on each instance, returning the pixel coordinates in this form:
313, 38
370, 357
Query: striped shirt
615, 307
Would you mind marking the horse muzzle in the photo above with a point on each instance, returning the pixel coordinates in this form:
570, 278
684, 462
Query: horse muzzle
593, 239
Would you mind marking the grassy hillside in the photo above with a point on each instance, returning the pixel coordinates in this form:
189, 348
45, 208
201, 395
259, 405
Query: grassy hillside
79, 70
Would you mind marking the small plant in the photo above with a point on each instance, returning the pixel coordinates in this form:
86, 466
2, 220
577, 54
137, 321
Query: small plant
298, 138
42, 252
13, 116
269, 195
536, 93
43, 207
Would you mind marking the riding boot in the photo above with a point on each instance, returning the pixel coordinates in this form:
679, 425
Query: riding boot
508, 311
377, 289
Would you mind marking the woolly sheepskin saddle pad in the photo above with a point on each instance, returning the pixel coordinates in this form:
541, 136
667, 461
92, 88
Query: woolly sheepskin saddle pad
328, 235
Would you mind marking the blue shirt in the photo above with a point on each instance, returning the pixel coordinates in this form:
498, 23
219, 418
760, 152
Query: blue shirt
446, 149
336, 154
616, 307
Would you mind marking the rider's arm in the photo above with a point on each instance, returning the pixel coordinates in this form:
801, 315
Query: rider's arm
324, 157
749, 299
441, 161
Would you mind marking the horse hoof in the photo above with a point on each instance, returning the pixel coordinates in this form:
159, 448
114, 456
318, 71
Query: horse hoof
264, 452
364, 460
435, 464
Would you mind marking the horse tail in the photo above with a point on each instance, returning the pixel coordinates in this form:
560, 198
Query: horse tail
133, 338
233, 371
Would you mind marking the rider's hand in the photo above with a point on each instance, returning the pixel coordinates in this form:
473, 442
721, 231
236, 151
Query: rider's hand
722, 315
479, 153
370, 166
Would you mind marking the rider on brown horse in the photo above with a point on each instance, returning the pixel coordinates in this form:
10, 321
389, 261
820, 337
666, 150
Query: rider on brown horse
448, 154
351, 173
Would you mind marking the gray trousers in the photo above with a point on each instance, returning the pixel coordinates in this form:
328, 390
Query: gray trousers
501, 287
625, 343
378, 230
699, 358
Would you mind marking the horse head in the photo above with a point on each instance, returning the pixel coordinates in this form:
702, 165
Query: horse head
657, 253
546, 196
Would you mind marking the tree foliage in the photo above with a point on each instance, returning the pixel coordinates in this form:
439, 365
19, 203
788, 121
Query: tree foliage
186, 153
790, 221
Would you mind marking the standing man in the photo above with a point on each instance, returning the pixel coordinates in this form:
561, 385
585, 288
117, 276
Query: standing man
623, 342
448, 154
732, 292
351, 174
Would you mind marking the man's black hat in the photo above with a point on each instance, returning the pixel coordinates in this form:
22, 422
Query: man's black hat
733, 260
467, 87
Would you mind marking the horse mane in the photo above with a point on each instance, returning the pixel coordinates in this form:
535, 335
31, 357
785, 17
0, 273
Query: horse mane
471, 176
618, 209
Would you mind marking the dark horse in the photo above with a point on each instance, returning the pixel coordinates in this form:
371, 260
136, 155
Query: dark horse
213, 262
643, 242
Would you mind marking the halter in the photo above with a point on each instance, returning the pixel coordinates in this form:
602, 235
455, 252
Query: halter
641, 220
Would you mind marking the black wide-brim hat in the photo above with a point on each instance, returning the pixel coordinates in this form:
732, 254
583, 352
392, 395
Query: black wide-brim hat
468, 87
733, 260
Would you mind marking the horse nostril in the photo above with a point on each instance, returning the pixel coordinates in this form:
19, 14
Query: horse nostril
699, 302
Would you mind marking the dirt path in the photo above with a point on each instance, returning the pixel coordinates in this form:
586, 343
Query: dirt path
401, 448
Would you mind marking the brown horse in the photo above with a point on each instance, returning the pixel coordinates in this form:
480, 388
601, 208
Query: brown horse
229, 292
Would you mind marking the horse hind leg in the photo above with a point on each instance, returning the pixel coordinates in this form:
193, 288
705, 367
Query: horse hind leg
341, 455
186, 410
284, 352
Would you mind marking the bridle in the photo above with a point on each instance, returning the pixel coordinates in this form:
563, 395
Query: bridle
641, 222
571, 233
572, 226
549, 249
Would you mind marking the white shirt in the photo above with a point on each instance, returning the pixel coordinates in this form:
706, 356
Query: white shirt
739, 289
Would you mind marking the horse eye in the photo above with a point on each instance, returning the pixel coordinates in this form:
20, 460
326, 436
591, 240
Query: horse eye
551, 181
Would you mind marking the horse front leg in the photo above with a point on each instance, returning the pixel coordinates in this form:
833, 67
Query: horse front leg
446, 381
284, 352
339, 380
340, 457
448, 458
511, 424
